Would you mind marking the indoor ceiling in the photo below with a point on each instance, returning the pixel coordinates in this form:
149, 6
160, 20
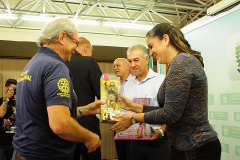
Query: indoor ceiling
130, 13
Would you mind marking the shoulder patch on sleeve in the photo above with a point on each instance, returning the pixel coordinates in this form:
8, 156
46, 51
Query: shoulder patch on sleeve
63, 86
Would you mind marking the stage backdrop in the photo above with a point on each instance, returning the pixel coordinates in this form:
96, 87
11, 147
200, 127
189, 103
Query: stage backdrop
219, 43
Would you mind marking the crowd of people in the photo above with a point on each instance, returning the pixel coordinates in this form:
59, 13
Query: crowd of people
54, 114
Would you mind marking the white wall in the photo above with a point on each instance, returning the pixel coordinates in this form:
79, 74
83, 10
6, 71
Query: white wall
217, 41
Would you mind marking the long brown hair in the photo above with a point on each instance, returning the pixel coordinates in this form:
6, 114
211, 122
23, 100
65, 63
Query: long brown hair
176, 39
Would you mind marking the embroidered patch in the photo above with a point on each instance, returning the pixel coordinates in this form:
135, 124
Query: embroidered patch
63, 86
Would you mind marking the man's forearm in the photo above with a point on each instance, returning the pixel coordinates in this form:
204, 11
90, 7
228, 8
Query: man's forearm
3, 109
71, 130
82, 111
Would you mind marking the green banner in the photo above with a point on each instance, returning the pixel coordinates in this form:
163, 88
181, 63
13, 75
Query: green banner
150, 62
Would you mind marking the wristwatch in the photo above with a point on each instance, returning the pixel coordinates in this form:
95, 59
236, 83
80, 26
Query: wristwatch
5, 99
161, 131
81, 111
133, 118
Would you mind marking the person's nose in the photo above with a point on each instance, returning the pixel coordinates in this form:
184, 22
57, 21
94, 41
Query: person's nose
132, 64
150, 53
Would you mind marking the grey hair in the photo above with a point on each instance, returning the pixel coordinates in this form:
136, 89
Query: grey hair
142, 48
51, 30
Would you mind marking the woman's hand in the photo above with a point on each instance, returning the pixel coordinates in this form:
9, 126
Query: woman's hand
124, 123
125, 103
128, 105
156, 133
164, 127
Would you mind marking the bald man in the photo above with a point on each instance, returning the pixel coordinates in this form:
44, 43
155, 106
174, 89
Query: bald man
86, 83
121, 69
84, 48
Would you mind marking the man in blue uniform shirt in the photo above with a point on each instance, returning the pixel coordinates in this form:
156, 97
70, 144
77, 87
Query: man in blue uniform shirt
46, 107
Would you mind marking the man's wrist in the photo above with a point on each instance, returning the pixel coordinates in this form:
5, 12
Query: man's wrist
81, 111
162, 133
5, 99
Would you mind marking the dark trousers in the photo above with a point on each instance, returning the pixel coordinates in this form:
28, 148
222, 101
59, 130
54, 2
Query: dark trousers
123, 149
209, 151
6, 151
81, 150
90, 122
150, 150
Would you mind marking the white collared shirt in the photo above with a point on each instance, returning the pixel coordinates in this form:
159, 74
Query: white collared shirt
148, 88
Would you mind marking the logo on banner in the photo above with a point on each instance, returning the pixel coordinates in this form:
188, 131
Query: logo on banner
233, 54
237, 55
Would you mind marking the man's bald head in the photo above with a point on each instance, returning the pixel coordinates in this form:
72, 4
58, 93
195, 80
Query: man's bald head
121, 67
121, 60
84, 47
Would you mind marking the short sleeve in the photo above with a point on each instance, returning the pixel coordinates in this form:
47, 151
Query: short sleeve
57, 85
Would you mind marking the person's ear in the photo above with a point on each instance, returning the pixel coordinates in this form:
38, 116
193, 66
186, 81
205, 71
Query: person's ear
61, 37
85, 49
166, 39
147, 59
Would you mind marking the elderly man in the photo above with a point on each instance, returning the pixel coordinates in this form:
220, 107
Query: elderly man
145, 84
86, 83
46, 103
121, 70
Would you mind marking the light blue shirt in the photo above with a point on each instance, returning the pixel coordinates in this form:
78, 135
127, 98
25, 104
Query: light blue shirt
123, 84
122, 89
148, 88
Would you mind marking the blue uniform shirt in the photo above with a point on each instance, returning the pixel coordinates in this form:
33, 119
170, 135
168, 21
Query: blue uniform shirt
45, 81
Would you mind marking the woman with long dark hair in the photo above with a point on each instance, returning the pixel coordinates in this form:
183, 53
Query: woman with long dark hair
182, 98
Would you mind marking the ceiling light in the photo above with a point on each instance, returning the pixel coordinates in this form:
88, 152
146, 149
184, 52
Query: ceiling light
221, 6
36, 18
8, 16
43, 14
128, 25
